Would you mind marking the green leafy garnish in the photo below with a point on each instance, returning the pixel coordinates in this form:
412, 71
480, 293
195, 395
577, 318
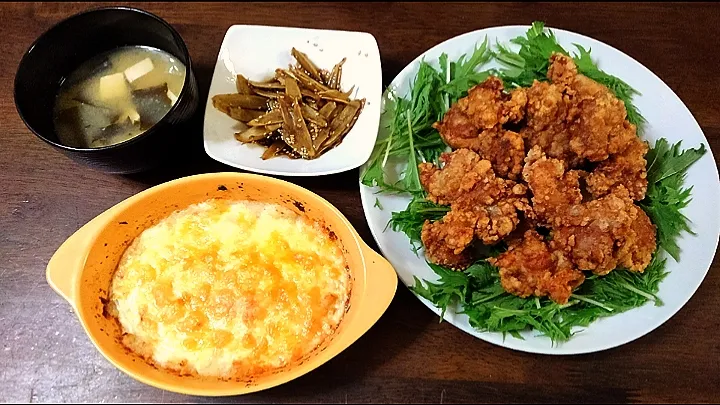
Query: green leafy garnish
477, 293
411, 220
530, 63
410, 133
666, 195
452, 287
463, 72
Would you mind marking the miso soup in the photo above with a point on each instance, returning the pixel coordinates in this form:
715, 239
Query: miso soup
116, 96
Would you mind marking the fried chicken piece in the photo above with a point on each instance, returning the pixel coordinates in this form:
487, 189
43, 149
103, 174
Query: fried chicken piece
627, 168
588, 247
598, 235
468, 184
574, 118
589, 232
461, 171
638, 244
606, 233
554, 190
600, 128
530, 267
487, 106
475, 122
504, 149
482, 206
548, 111
445, 241
457, 128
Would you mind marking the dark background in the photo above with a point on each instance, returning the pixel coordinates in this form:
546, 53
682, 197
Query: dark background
45, 355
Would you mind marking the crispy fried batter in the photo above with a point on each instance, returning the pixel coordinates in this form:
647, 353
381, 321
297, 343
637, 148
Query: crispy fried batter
574, 118
606, 233
638, 244
628, 168
457, 129
487, 106
475, 122
445, 241
504, 149
588, 232
461, 171
530, 267
597, 235
554, 190
611, 239
548, 110
481, 205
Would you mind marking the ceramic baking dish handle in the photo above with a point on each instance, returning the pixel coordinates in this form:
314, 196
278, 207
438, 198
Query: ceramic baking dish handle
67, 264
381, 284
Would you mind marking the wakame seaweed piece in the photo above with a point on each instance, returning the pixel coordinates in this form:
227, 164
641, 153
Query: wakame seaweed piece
123, 127
85, 119
85, 71
152, 104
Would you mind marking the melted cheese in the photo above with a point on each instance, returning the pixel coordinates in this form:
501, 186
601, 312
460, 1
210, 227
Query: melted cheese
230, 289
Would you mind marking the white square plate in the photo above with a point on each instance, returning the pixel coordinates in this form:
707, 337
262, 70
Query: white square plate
255, 52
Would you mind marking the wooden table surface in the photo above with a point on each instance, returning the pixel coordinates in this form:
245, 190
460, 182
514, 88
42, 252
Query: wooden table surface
407, 356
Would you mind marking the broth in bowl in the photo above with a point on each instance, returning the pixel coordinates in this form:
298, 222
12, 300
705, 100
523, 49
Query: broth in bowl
116, 96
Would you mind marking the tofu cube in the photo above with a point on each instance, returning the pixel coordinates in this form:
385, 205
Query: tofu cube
113, 87
132, 114
173, 98
139, 70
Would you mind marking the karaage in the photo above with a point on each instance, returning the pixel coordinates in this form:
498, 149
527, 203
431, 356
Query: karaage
568, 124
475, 122
574, 118
482, 205
596, 235
530, 267
627, 168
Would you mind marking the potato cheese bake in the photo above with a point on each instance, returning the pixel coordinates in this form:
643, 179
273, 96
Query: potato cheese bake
230, 289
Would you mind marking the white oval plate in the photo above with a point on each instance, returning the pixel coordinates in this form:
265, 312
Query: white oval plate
667, 118
255, 52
